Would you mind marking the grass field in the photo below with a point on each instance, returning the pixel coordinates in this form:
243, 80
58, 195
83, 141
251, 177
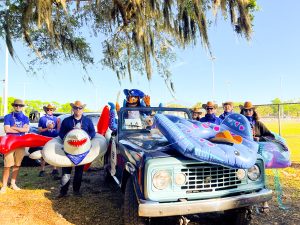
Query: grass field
290, 130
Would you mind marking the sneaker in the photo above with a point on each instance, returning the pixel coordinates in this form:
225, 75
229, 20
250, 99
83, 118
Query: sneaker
54, 172
42, 173
15, 187
62, 195
77, 193
3, 190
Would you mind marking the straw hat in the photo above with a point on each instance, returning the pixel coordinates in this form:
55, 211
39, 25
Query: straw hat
210, 104
77, 103
227, 103
247, 105
196, 110
226, 137
19, 102
49, 106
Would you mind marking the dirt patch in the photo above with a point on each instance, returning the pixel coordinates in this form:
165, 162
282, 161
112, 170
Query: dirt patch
101, 202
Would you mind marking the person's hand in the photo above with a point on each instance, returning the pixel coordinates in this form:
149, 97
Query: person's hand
149, 120
147, 100
117, 107
112, 106
256, 138
50, 126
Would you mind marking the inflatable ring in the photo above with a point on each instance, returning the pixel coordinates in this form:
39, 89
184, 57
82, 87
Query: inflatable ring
9, 143
54, 154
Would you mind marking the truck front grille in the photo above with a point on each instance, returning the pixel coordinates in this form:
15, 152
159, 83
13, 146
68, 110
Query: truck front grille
209, 177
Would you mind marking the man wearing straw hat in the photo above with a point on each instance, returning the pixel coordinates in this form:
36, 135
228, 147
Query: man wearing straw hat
196, 113
210, 116
15, 123
48, 126
77, 120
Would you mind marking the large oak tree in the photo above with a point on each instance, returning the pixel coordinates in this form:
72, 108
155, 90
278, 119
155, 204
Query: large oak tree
135, 35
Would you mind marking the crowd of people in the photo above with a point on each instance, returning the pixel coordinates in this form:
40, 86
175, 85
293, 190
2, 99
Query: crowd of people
17, 123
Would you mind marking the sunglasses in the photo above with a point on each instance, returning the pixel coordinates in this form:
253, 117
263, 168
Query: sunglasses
248, 110
49, 109
209, 108
77, 108
18, 105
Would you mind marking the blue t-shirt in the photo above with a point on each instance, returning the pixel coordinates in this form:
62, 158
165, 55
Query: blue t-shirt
45, 121
211, 118
70, 122
17, 119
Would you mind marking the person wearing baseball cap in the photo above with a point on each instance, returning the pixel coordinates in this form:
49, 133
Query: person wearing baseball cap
15, 123
210, 116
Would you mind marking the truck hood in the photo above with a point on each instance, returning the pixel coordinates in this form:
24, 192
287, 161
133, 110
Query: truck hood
152, 144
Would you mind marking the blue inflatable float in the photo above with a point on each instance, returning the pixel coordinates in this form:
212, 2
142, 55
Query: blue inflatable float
191, 138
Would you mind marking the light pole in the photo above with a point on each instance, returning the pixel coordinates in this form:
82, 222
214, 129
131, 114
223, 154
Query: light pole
5, 86
213, 77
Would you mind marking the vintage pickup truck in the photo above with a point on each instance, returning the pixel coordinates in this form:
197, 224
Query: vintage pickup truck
158, 181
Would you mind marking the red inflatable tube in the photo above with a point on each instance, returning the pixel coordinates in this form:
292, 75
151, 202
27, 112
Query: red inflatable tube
103, 122
10, 142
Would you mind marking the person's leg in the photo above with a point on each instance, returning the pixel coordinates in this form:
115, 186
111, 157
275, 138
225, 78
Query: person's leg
5, 177
42, 172
14, 176
8, 162
18, 156
77, 178
65, 181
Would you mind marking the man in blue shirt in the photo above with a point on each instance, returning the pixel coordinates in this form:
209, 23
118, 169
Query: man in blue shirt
210, 116
48, 126
79, 121
15, 123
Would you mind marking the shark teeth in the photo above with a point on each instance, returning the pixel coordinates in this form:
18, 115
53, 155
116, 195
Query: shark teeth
77, 143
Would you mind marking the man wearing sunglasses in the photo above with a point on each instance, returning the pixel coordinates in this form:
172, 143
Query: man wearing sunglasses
210, 116
15, 123
76, 121
48, 126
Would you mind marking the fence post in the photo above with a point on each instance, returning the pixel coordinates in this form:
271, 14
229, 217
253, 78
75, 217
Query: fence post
279, 120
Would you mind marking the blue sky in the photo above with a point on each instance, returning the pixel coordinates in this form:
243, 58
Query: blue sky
260, 70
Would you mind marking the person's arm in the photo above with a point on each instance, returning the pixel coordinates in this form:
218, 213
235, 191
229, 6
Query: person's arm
63, 129
23, 129
9, 129
91, 128
264, 132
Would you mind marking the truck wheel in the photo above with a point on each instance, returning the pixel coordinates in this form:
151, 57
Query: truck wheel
240, 216
130, 213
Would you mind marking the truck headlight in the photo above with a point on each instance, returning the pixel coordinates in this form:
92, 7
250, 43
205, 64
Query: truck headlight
254, 173
161, 179
180, 179
240, 174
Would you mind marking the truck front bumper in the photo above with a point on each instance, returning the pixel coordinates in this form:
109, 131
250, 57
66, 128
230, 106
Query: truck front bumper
156, 209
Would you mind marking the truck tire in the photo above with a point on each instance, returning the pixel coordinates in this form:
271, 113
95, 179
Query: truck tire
240, 216
130, 213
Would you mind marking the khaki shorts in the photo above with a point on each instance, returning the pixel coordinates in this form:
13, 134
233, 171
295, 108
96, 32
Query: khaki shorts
14, 158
